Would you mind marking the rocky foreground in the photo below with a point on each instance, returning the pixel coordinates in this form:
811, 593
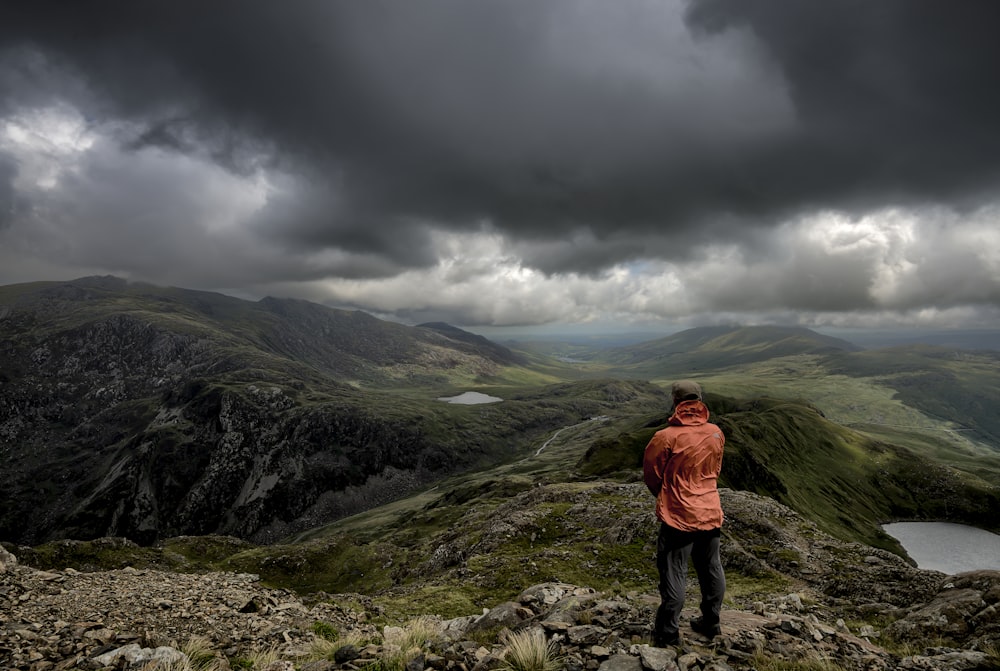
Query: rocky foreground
148, 619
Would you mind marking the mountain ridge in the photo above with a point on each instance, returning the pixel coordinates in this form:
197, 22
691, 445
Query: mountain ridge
721, 346
189, 412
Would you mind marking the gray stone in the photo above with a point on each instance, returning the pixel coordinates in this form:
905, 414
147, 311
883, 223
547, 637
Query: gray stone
687, 661
346, 653
587, 634
621, 663
134, 654
508, 614
416, 663
657, 659
7, 560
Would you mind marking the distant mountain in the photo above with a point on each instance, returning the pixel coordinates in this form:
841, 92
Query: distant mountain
955, 391
713, 347
349, 344
476, 342
141, 411
965, 339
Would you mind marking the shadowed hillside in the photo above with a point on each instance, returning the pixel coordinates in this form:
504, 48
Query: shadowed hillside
146, 412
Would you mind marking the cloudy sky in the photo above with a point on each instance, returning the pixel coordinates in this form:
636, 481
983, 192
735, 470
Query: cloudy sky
515, 162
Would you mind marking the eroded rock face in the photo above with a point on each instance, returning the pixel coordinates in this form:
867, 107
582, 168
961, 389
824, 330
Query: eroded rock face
966, 607
7, 560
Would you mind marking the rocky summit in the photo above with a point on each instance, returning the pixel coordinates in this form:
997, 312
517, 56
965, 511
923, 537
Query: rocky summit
846, 606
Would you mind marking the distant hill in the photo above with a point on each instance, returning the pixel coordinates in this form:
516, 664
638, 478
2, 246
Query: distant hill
713, 347
475, 342
965, 339
142, 411
347, 344
960, 386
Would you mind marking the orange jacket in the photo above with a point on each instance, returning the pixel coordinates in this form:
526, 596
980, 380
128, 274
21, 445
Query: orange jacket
681, 465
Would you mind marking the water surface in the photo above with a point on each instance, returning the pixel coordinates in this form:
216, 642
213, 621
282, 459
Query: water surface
947, 547
470, 398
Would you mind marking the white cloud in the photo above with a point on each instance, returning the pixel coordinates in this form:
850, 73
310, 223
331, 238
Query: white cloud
45, 143
825, 269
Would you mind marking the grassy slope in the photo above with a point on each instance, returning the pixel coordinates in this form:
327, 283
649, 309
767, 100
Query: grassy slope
711, 348
475, 540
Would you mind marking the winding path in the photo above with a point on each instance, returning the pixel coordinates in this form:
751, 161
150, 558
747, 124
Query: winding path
599, 418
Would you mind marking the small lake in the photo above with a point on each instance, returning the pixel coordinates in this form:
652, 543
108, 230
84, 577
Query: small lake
470, 398
947, 547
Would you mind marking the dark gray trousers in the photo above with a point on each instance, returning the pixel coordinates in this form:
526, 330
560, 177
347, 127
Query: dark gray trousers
673, 550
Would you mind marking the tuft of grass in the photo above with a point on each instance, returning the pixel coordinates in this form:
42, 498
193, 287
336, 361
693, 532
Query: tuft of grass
325, 630
198, 656
402, 644
201, 657
527, 650
323, 648
992, 651
421, 632
764, 662
256, 660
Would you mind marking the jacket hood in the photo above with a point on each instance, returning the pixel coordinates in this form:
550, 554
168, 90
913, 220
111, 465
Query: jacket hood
689, 413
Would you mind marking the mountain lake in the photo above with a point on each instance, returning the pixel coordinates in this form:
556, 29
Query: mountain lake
470, 398
947, 547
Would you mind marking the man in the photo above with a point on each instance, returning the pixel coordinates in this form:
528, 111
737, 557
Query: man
681, 465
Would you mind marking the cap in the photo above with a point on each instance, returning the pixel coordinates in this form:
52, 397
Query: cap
686, 390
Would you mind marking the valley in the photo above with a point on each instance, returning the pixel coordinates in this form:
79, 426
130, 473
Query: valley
164, 430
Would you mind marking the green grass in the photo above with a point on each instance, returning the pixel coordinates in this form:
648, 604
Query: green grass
743, 589
338, 565
528, 650
763, 661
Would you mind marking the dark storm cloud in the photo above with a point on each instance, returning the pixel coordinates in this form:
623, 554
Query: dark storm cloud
527, 115
598, 125
896, 100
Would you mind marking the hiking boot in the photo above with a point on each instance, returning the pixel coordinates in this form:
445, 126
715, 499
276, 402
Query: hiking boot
666, 640
699, 626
